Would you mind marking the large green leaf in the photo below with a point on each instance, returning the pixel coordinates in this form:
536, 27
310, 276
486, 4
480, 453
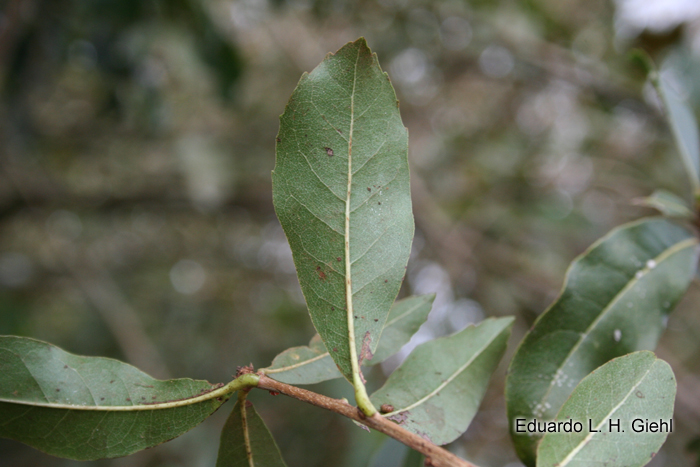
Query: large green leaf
246, 441
313, 364
616, 299
615, 406
684, 127
436, 392
341, 192
89, 407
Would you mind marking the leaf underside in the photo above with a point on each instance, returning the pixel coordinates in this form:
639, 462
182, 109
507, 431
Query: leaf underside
616, 299
246, 441
87, 408
436, 392
342, 148
312, 364
637, 386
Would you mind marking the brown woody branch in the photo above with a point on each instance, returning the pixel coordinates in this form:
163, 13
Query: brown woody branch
435, 455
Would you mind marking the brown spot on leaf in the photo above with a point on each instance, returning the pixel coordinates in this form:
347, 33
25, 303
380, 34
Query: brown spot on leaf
399, 418
376, 320
274, 393
128, 399
366, 353
379, 203
321, 274
329, 151
102, 398
339, 258
279, 140
369, 189
639, 394
335, 349
332, 308
58, 390
65, 366
386, 408
386, 280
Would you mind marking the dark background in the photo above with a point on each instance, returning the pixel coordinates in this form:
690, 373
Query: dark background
136, 220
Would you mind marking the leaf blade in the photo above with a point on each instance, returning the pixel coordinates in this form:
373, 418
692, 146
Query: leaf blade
246, 441
46, 392
437, 390
634, 387
612, 303
303, 365
341, 192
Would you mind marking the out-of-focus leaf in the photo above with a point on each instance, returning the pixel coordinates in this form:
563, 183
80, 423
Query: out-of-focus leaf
393, 453
437, 390
616, 299
313, 364
303, 365
667, 203
405, 318
685, 129
90, 407
413, 459
246, 441
341, 192
615, 400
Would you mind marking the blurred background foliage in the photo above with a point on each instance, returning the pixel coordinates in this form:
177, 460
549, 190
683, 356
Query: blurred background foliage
137, 140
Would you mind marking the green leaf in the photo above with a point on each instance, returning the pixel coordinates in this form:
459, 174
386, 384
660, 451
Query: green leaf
616, 400
246, 441
616, 299
341, 192
668, 204
436, 392
303, 365
405, 318
684, 127
312, 364
88, 408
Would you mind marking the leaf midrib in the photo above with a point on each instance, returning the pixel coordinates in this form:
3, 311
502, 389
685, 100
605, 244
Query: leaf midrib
246, 435
125, 408
659, 259
296, 365
354, 364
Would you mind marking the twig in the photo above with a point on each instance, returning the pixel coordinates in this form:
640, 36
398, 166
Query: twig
436, 456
